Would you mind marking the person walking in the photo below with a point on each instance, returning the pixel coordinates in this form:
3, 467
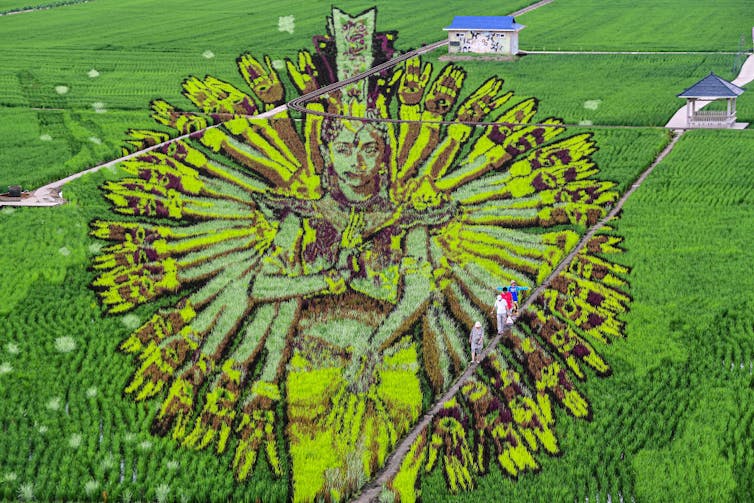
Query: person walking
514, 289
476, 340
501, 310
507, 296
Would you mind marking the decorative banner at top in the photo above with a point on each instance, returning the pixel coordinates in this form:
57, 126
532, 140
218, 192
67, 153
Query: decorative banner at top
353, 41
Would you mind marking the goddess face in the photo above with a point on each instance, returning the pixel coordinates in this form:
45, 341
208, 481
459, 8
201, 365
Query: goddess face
357, 157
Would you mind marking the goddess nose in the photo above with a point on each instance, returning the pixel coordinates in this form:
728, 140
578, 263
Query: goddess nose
361, 164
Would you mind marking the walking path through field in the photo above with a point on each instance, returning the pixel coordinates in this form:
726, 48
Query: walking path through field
372, 490
746, 75
51, 194
42, 7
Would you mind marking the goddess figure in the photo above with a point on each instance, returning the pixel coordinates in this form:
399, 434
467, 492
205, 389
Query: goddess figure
339, 262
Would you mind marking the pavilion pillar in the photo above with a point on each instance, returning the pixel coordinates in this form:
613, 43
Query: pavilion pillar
733, 109
689, 110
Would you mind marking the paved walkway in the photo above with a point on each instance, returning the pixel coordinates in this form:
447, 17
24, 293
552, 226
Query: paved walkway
746, 75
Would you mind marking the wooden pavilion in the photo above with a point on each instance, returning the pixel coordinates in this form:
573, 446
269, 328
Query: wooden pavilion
711, 89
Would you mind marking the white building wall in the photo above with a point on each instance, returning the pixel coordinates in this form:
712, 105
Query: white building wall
483, 42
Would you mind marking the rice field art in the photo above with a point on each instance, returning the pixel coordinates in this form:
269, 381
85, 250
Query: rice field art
314, 278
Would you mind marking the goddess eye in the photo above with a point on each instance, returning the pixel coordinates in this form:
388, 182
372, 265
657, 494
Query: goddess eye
342, 148
369, 148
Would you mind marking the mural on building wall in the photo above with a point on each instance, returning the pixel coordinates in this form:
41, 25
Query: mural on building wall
485, 42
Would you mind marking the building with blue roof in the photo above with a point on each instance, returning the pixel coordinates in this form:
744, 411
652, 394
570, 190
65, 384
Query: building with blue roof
483, 35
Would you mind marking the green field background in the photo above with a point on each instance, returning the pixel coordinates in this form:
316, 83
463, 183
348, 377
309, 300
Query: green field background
143, 50
624, 25
675, 421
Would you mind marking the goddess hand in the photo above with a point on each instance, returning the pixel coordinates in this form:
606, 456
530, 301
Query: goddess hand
264, 82
444, 90
185, 122
213, 95
304, 74
414, 81
482, 101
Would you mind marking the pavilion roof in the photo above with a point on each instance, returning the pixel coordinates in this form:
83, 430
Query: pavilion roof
489, 23
712, 86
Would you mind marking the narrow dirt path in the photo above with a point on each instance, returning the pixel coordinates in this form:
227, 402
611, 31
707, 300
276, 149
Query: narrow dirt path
43, 7
530, 7
51, 194
372, 490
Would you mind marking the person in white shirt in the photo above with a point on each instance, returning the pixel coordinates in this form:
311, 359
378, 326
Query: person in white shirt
501, 309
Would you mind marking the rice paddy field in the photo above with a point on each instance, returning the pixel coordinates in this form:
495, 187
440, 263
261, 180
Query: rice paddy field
584, 25
243, 315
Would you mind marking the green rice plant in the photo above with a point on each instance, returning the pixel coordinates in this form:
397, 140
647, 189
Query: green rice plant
26, 491
126, 496
91, 487
591, 25
568, 85
641, 409
161, 493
